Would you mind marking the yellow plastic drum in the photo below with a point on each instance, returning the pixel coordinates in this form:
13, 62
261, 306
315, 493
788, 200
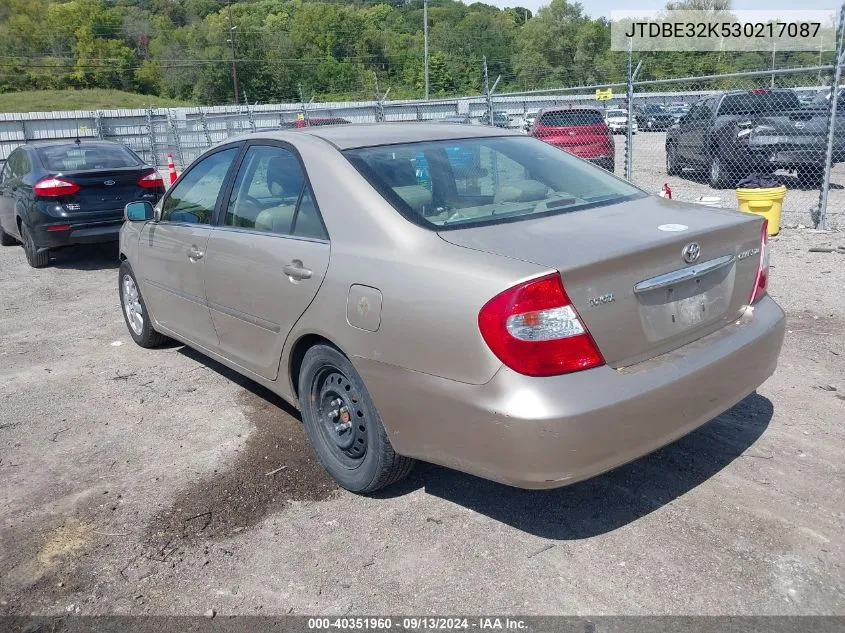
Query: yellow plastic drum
767, 202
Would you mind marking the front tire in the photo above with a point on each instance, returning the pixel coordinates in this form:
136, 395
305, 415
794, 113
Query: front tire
673, 166
343, 426
34, 258
720, 173
135, 314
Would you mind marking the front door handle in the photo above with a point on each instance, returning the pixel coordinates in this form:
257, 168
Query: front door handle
296, 271
195, 254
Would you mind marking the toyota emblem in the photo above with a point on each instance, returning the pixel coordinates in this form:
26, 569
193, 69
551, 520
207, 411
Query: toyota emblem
691, 252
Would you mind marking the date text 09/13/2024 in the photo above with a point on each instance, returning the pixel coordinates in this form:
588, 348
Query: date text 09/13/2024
417, 624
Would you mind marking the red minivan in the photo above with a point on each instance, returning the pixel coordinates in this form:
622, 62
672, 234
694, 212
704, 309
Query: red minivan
579, 130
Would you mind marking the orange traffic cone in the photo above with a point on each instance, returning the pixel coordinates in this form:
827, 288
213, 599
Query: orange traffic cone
171, 168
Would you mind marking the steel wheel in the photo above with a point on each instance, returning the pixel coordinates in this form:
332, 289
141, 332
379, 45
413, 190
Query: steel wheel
342, 418
132, 305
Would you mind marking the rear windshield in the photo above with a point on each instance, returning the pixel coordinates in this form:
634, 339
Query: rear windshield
472, 182
565, 118
75, 158
759, 102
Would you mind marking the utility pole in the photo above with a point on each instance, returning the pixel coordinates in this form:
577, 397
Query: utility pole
231, 42
425, 36
774, 46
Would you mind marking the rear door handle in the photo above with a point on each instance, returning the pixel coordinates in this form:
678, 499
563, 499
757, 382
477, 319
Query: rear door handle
194, 254
296, 271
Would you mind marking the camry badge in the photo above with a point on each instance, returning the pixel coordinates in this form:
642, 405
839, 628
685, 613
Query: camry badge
109, 183
691, 252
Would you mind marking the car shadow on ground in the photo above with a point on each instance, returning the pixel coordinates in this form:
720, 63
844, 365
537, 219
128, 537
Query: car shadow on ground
612, 500
87, 257
585, 509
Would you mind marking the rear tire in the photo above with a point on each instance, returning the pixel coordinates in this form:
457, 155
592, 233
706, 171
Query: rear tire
343, 426
35, 258
135, 315
810, 177
6, 239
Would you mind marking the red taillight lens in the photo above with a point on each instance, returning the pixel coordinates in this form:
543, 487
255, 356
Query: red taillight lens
762, 278
53, 187
58, 227
533, 328
151, 180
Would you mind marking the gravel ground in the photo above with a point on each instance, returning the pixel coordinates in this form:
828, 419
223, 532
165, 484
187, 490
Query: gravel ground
649, 172
140, 482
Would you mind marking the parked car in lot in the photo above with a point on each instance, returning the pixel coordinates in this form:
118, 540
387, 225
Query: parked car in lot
579, 130
525, 317
528, 122
500, 119
732, 134
313, 121
60, 194
617, 120
654, 118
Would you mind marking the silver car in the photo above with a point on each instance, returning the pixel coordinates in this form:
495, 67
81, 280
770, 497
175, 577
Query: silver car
462, 295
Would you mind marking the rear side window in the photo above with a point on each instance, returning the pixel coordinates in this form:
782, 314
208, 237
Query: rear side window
76, 158
566, 118
272, 196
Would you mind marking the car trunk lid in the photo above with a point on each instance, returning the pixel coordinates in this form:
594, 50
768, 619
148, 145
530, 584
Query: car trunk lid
106, 190
623, 268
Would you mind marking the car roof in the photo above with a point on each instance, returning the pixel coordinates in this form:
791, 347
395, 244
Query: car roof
93, 143
372, 134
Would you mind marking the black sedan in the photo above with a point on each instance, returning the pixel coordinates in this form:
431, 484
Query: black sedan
56, 195
653, 118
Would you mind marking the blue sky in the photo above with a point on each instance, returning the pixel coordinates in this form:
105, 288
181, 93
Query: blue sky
597, 8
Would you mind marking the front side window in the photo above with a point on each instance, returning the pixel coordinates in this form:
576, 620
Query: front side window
271, 195
472, 182
192, 200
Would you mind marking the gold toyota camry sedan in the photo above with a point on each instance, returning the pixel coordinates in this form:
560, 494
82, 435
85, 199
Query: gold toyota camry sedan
463, 295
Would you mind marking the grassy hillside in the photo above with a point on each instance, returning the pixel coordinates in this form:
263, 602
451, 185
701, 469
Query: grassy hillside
95, 99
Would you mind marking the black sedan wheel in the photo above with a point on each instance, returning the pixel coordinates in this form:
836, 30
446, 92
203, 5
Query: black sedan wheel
35, 258
343, 426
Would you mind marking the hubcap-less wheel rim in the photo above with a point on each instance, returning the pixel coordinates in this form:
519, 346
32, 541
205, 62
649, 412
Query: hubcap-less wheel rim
132, 305
341, 418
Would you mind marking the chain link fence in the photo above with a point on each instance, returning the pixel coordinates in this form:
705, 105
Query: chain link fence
699, 136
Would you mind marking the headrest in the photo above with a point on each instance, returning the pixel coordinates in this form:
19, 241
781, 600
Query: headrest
284, 176
415, 196
521, 191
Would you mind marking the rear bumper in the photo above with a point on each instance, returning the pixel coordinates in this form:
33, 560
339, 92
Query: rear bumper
550, 432
785, 156
79, 233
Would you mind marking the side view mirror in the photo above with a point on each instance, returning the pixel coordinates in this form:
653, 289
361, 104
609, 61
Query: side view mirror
138, 211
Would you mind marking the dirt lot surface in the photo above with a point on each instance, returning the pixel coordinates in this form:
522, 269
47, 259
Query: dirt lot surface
136, 482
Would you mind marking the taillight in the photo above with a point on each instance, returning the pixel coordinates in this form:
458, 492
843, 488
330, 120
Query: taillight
151, 180
53, 187
762, 278
533, 328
